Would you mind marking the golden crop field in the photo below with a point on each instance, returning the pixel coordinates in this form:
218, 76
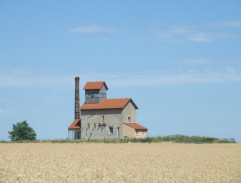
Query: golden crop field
100, 162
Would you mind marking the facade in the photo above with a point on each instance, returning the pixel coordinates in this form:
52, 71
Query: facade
103, 118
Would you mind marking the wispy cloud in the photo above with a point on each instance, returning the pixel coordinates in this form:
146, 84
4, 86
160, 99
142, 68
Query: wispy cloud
230, 69
197, 61
179, 30
200, 37
178, 34
5, 111
228, 24
16, 78
204, 37
228, 74
238, 96
186, 77
172, 34
34, 81
205, 33
94, 29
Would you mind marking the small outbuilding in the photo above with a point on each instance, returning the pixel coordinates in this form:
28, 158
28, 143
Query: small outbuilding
74, 130
134, 130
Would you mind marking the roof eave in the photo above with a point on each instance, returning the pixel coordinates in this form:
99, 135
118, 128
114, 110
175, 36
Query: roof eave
100, 108
74, 126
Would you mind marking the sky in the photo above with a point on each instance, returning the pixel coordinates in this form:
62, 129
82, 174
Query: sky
180, 61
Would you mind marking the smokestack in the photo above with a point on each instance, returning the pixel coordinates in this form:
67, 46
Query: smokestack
77, 107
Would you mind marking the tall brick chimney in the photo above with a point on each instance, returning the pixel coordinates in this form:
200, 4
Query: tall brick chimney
77, 106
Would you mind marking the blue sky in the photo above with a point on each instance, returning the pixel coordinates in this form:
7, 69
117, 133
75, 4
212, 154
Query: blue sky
180, 61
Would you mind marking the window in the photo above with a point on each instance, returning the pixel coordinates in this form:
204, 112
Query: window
103, 118
77, 134
111, 130
95, 95
129, 119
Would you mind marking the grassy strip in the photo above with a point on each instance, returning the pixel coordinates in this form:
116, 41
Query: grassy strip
171, 138
189, 139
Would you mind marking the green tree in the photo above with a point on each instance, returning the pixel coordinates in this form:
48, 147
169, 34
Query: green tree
22, 131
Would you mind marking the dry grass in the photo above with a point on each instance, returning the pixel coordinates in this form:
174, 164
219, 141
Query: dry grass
89, 162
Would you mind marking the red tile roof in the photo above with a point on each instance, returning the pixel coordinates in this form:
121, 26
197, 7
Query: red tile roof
135, 126
95, 85
75, 125
109, 104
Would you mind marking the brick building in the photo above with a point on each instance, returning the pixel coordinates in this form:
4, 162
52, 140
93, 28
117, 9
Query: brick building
103, 118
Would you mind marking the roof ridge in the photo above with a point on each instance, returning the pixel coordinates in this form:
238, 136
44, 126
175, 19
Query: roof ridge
95, 81
94, 85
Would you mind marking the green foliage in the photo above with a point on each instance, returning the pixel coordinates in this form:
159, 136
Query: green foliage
22, 132
171, 139
189, 139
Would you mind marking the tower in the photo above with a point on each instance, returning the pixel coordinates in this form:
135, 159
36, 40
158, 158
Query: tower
95, 92
74, 129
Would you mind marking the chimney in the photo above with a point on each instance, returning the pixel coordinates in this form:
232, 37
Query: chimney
77, 107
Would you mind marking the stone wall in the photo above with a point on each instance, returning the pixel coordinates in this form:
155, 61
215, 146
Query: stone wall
128, 132
129, 114
141, 133
95, 124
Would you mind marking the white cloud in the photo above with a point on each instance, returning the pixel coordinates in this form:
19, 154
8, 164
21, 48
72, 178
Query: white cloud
23, 80
199, 37
179, 33
228, 24
26, 81
4, 111
228, 74
179, 30
238, 96
198, 61
230, 69
177, 78
93, 29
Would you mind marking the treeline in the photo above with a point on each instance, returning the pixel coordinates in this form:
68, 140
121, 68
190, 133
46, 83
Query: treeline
159, 139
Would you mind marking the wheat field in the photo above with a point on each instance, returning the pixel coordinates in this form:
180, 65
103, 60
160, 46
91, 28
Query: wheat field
100, 162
